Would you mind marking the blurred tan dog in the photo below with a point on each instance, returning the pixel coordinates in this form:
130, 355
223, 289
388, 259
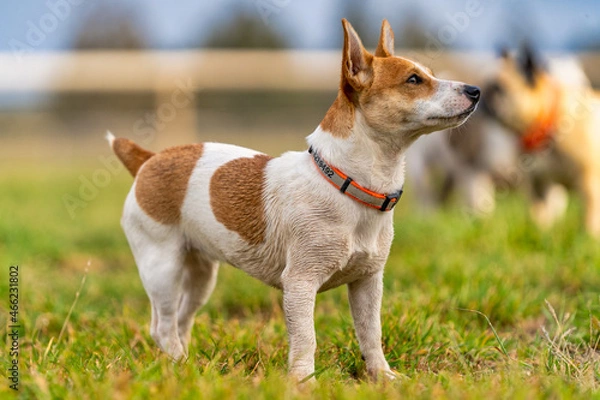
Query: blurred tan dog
557, 116
304, 222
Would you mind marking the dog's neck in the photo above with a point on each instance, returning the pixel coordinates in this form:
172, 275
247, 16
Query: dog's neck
360, 153
540, 132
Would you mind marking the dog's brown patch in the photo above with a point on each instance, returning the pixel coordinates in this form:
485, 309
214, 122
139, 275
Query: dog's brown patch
236, 197
339, 119
131, 155
162, 184
391, 73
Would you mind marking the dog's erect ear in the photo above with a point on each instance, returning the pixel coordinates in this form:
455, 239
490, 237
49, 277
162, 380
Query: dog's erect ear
530, 65
385, 48
356, 61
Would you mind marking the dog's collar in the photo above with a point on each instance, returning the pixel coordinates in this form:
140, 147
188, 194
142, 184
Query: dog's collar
347, 186
539, 134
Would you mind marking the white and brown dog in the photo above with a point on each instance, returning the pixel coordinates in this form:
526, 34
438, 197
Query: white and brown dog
304, 222
556, 114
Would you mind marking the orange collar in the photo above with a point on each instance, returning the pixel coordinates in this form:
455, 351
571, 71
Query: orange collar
539, 133
347, 186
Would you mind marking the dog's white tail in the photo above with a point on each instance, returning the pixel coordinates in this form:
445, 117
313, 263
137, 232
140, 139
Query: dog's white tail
110, 137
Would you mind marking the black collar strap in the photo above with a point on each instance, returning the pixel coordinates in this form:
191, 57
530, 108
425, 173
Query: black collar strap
345, 184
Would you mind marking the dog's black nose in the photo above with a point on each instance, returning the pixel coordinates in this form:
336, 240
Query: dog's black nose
472, 92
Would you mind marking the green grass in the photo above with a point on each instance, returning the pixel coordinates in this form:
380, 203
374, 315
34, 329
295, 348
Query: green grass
535, 333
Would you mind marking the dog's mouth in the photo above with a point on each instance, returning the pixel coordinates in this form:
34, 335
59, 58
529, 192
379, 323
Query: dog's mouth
456, 117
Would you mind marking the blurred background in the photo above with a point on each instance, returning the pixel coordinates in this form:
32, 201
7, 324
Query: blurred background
259, 73
262, 74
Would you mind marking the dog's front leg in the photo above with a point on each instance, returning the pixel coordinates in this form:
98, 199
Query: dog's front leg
299, 305
365, 303
591, 189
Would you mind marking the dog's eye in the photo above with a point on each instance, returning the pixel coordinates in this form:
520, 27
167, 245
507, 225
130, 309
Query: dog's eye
495, 88
414, 79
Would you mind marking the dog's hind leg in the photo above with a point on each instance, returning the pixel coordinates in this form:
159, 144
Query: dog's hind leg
159, 252
478, 190
199, 279
162, 274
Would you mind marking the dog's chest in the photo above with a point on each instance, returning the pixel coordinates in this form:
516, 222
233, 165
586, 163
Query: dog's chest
360, 265
368, 252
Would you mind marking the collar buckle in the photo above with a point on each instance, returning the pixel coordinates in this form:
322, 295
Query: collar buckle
391, 200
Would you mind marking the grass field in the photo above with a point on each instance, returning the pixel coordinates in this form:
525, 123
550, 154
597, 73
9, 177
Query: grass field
472, 309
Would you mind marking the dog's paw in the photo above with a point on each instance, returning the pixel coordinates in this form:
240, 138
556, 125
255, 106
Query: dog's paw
384, 375
174, 349
302, 378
